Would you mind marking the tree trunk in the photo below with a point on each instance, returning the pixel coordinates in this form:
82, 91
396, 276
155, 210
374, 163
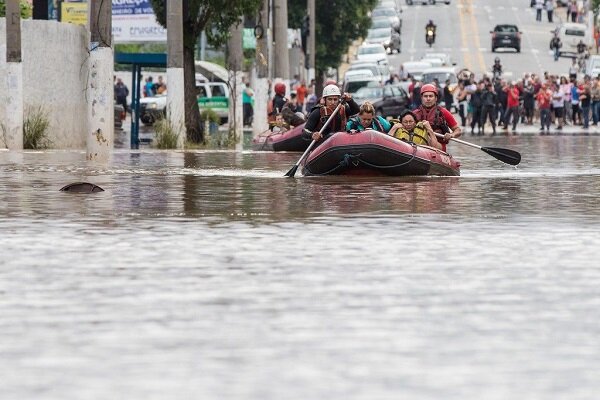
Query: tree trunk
193, 125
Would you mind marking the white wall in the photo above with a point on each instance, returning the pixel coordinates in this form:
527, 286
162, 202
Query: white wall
54, 76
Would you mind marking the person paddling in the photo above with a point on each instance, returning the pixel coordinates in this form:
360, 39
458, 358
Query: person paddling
440, 119
320, 113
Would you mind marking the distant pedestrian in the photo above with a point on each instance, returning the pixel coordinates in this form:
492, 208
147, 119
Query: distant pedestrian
121, 93
550, 9
539, 5
544, 97
247, 108
512, 105
149, 87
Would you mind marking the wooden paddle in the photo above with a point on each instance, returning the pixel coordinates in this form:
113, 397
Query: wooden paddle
292, 172
505, 155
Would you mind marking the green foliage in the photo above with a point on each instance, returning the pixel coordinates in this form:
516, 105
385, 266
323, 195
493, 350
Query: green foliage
26, 9
338, 24
209, 115
35, 128
165, 134
213, 16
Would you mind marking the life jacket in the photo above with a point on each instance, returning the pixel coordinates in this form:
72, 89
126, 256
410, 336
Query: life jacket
339, 121
434, 116
417, 136
355, 121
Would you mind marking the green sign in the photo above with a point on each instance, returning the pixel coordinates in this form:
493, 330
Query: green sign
248, 39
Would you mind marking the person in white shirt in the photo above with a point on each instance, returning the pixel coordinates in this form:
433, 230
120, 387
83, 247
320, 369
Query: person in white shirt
539, 5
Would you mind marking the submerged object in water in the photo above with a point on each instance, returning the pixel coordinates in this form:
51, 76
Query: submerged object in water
81, 187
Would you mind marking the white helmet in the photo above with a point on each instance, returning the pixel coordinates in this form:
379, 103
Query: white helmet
331, 90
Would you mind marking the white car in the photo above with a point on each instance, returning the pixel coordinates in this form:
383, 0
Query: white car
444, 57
416, 68
381, 69
441, 74
371, 52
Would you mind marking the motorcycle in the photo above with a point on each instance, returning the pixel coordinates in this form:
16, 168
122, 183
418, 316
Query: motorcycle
395, 43
430, 36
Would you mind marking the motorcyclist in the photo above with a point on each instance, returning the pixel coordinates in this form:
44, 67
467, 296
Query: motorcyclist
430, 27
395, 42
497, 68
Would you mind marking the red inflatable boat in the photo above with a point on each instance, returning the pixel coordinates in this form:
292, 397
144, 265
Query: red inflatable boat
375, 153
290, 140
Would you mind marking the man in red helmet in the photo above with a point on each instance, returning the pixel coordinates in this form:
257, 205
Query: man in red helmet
440, 119
277, 102
279, 105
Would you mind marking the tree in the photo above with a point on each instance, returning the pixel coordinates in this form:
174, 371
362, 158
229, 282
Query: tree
25, 8
214, 17
337, 25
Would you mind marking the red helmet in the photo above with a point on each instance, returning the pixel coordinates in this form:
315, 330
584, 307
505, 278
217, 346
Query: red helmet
280, 88
429, 88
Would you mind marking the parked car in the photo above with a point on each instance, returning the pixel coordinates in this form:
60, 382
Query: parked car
214, 95
371, 52
506, 36
380, 23
153, 108
391, 13
388, 100
391, 42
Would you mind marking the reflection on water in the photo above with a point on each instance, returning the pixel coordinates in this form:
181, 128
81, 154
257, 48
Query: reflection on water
210, 275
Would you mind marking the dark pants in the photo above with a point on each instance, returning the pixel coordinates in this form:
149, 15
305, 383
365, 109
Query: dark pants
585, 112
514, 112
248, 113
538, 15
122, 101
488, 112
476, 118
550, 13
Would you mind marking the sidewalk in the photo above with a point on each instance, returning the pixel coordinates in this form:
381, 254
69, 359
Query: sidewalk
528, 130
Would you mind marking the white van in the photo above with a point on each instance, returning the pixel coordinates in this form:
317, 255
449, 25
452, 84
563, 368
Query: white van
416, 68
570, 34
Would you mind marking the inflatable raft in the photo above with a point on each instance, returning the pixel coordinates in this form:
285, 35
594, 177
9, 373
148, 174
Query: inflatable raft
375, 153
290, 140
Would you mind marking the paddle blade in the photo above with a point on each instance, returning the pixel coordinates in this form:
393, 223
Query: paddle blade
505, 155
292, 172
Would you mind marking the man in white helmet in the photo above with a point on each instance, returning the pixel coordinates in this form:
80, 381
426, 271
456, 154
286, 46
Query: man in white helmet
320, 114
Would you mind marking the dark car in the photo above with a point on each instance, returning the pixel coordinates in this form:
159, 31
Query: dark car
506, 36
388, 100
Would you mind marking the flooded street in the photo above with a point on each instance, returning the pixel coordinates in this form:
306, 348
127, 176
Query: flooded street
208, 275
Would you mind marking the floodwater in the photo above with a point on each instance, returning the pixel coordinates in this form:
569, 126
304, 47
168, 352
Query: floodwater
208, 275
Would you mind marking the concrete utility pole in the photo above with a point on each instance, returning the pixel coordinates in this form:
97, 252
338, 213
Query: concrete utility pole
14, 106
311, 40
100, 95
261, 85
175, 76
235, 59
282, 61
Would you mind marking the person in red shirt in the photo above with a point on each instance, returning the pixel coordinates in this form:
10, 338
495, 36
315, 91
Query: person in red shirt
440, 119
301, 92
512, 106
544, 97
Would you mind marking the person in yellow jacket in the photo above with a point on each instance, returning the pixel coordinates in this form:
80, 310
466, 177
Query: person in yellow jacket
415, 132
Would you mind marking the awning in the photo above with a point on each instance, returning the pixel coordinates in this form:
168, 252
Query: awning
212, 71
